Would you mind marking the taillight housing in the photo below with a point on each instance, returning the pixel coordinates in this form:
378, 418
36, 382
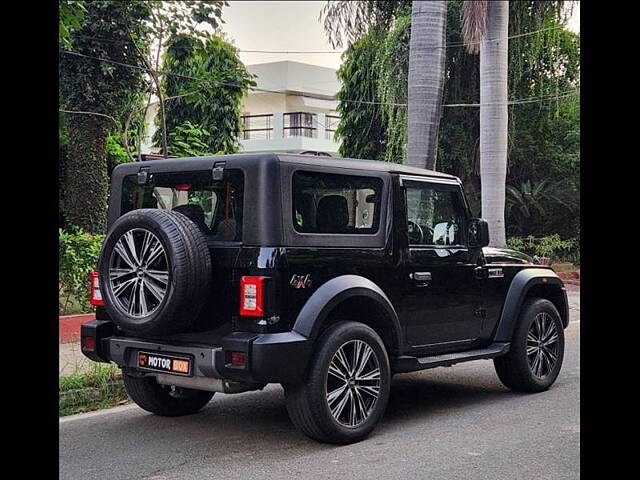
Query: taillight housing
252, 296
96, 295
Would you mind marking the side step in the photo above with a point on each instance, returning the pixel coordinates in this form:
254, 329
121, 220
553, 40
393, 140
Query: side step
411, 364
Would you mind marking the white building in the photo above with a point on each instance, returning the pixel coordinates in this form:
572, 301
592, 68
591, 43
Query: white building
297, 115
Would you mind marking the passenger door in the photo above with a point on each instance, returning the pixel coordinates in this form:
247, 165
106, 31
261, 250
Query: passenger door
442, 302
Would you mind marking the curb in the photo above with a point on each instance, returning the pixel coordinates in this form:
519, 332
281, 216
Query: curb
70, 326
571, 277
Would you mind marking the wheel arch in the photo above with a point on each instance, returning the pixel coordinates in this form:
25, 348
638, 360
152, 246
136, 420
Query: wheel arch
351, 297
531, 283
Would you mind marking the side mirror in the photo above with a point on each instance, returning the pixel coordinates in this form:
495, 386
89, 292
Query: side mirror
478, 233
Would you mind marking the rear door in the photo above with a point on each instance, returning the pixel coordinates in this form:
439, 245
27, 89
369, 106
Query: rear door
442, 294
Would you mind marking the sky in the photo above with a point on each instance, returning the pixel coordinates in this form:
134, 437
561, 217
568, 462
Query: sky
281, 26
290, 26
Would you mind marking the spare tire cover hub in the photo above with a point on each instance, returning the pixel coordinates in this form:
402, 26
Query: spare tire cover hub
138, 273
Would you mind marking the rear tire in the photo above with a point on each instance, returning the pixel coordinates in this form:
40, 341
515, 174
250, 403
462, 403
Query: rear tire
164, 400
360, 387
533, 365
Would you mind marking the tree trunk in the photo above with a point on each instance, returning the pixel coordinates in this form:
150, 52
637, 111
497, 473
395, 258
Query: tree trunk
493, 119
426, 81
86, 181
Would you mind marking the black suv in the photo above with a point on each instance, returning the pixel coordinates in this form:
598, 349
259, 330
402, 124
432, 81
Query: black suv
328, 276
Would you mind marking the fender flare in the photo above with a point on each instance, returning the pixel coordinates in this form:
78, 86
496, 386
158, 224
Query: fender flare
330, 294
520, 285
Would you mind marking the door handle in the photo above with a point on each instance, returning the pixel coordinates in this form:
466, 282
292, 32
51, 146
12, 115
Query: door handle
424, 277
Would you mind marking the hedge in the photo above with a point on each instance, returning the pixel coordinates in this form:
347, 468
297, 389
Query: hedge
78, 255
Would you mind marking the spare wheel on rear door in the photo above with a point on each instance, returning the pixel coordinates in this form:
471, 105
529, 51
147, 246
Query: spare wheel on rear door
155, 272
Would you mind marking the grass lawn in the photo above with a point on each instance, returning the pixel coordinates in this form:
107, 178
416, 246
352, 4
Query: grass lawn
84, 391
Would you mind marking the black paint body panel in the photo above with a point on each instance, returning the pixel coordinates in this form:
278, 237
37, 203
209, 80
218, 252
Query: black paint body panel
471, 300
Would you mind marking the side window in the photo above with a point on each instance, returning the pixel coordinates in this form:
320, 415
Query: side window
331, 203
435, 214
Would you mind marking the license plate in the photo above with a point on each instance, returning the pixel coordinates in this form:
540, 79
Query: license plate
164, 363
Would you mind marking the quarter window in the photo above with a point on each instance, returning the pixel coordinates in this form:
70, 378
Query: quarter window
335, 204
435, 214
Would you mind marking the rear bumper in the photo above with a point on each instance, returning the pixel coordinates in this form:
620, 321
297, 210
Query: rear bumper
270, 358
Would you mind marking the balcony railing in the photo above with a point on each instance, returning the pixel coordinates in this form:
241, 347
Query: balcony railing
257, 127
330, 126
300, 124
289, 125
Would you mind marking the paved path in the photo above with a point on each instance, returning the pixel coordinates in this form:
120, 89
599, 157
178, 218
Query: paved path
445, 423
71, 359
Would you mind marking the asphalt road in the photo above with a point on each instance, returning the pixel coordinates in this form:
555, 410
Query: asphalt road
445, 423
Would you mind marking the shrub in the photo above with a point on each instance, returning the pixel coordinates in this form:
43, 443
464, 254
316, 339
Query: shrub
78, 255
551, 246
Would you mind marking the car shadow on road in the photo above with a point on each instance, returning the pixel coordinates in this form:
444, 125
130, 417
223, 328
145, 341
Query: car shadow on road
258, 421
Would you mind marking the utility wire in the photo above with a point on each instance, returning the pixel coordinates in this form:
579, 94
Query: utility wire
302, 52
297, 94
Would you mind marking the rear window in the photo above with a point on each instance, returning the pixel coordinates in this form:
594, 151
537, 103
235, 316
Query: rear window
333, 203
215, 207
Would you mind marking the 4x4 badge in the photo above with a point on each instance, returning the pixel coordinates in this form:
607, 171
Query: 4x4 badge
300, 281
495, 273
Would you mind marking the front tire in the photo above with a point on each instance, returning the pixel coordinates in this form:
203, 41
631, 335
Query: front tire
162, 399
537, 349
347, 385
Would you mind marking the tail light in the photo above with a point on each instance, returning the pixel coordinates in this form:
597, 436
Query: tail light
96, 295
88, 343
238, 359
252, 296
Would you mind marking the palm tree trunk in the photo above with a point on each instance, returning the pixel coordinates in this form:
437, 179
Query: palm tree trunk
426, 81
493, 119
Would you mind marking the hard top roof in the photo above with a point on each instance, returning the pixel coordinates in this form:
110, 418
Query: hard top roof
246, 159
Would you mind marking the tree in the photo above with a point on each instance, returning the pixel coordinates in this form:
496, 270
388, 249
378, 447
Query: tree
352, 20
71, 16
102, 94
361, 128
487, 24
544, 136
426, 81
205, 84
167, 19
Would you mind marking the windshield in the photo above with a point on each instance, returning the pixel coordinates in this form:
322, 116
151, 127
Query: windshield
214, 206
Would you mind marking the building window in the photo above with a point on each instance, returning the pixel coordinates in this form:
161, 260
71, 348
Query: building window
330, 125
300, 124
257, 127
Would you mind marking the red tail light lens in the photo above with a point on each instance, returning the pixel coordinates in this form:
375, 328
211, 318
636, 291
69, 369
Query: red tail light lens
252, 296
96, 295
88, 343
238, 359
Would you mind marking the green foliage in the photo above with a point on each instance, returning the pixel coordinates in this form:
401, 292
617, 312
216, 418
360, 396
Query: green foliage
544, 137
346, 19
361, 127
211, 101
526, 203
78, 255
187, 140
99, 87
551, 246
116, 153
70, 17
392, 57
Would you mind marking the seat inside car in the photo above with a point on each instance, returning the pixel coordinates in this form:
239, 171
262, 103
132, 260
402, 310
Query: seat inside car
332, 214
